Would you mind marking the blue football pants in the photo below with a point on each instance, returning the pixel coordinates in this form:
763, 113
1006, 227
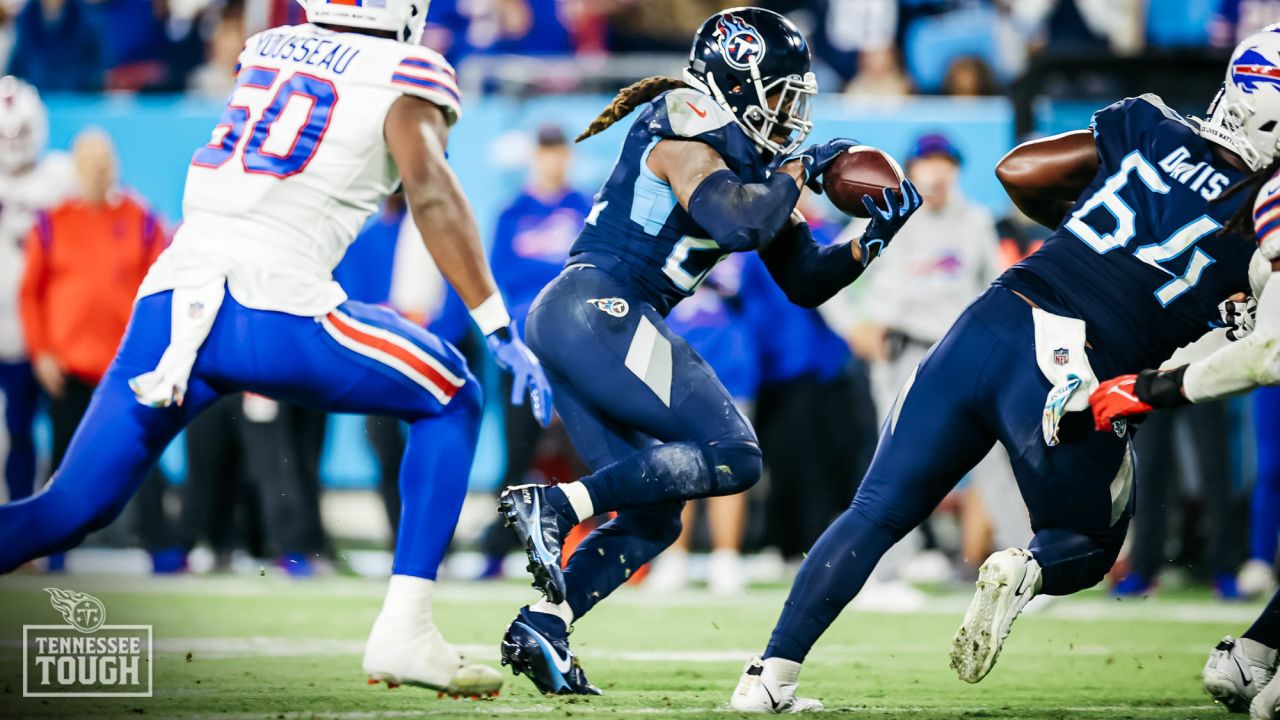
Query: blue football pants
357, 359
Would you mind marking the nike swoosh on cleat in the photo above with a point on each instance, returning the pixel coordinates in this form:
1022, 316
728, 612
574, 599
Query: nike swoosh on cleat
563, 664
1247, 678
699, 112
772, 703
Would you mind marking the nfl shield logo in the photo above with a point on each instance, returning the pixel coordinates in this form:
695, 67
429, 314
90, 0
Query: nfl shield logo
195, 310
1061, 356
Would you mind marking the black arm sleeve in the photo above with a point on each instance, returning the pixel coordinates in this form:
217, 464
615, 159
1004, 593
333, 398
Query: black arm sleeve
809, 273
742, 216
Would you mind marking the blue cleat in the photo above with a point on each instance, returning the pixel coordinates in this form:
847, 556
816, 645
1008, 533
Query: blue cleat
542, 654
541, 530
1134, 585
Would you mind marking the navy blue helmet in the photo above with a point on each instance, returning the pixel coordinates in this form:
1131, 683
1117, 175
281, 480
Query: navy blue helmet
755, 63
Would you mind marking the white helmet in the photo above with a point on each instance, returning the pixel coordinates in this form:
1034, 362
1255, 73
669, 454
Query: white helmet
1245, 117
24, 125
406, 18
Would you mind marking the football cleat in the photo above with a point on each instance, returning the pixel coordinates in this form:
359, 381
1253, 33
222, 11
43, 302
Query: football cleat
1236, 671
1006, 583
761, 690
544, 658
1266, 704
414, 653
541, 530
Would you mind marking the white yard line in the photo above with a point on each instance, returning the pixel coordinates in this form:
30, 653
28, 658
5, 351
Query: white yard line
604, 708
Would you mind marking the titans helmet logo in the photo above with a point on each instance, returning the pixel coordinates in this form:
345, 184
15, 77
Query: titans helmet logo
740, 43
1252, 69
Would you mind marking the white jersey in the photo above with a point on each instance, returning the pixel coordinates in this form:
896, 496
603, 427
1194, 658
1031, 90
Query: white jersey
45, 185
296, 165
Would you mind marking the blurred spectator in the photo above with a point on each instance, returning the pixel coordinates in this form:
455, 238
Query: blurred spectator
969, 77
657, 25
217, 76
946, 256
1184, 449
56, 47
135, 48
530, 245
712, 320
29, 183
814, 414
943, 259
1234, 20
253, 458
879, 75
84, 261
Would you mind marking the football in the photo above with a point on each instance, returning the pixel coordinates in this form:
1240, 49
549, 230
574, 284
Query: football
861, 170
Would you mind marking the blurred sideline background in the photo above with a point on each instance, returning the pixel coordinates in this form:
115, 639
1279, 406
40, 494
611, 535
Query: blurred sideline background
947, 86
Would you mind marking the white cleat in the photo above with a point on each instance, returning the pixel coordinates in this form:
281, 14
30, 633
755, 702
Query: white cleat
406, 648
1006, 583
1266, 704
769, 686
1256, 578
1236, 672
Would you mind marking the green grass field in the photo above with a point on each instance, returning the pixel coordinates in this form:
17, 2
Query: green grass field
272, 648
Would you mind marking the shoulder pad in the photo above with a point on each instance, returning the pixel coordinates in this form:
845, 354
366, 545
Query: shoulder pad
424, 73
1266, 218
692, 113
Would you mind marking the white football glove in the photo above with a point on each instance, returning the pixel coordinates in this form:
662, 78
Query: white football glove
1239, 316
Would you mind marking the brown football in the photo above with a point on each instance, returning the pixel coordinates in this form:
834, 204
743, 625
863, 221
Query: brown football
861, 170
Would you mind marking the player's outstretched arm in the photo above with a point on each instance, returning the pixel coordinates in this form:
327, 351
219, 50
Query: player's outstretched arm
1045, 177
1239, 367
739, 216
417, 132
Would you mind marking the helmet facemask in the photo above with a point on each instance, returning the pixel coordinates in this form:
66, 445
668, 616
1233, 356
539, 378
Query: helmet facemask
759, 118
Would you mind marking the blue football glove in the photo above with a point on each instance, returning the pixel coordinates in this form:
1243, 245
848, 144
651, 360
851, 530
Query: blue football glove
512, 355
886, 223
818, 157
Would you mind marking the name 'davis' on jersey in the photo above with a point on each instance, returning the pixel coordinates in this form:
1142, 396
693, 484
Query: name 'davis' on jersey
307, 50
1200, 176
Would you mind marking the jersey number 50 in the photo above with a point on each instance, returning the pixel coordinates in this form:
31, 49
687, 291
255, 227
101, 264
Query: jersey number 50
1108, 196
279, 144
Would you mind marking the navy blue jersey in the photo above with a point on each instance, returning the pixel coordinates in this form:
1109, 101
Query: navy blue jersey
1140, 258
637, 231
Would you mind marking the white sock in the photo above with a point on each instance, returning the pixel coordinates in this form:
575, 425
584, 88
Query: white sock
786, 671
579, 499
1258, 652
409, 595
561, 611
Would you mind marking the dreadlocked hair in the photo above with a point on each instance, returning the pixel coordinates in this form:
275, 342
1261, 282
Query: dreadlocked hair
629, 98
1242, 221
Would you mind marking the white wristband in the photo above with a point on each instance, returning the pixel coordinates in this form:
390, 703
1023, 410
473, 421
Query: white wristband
491, 315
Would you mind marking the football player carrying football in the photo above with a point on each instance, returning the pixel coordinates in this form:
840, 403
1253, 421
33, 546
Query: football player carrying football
1137, 267
1239, 672
710, 166
326, 120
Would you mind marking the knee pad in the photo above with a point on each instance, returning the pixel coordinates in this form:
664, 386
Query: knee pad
735, 465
